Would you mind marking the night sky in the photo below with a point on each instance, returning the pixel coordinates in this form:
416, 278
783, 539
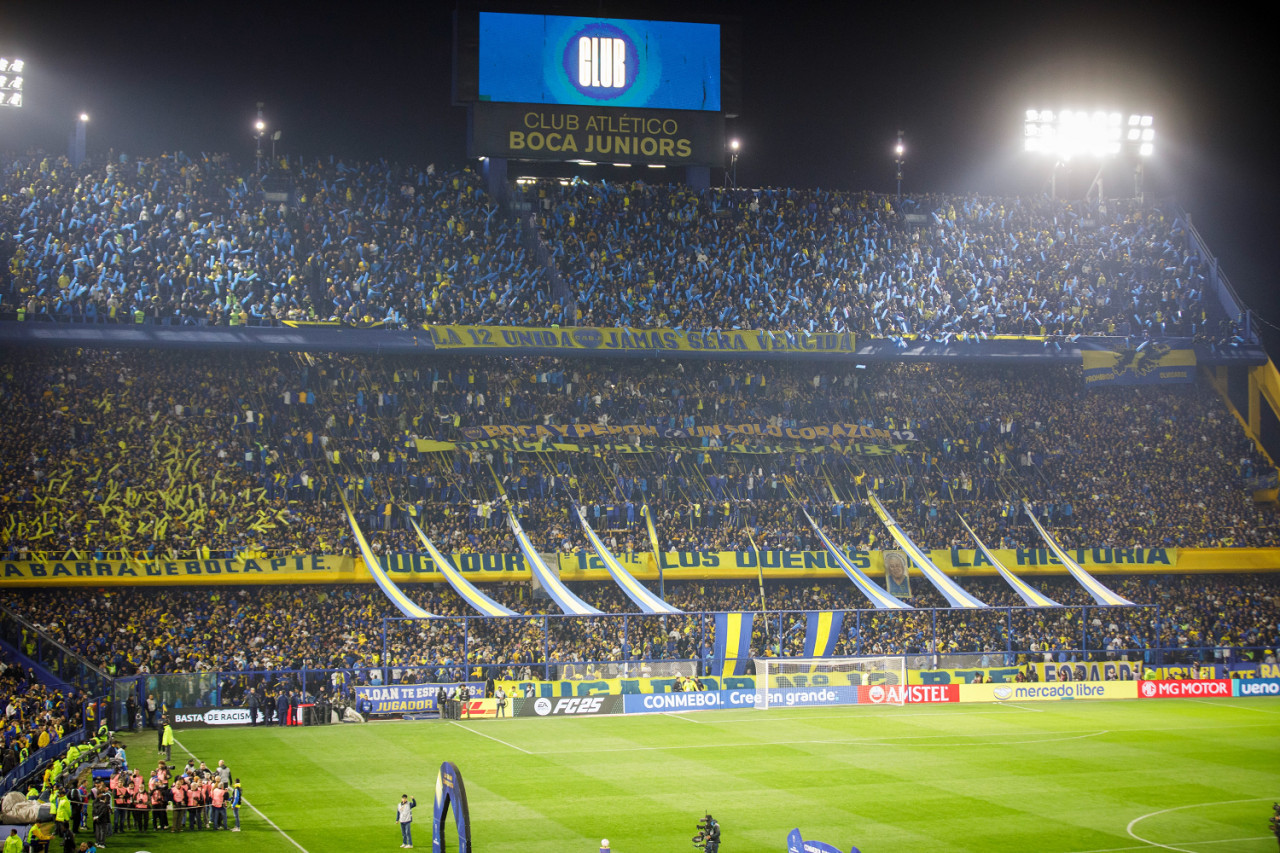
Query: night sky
826, 86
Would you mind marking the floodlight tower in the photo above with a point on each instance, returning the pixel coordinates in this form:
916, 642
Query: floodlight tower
259, 128
12, 73
78, 140
1099, 135
734, 146
898, 151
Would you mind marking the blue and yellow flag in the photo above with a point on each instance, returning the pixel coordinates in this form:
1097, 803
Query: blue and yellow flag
1091, 585
550, 581
653, 543
636, 591
388, 586
483, 604
821, 630
732, 649
950, 590
1028, 593
879, 598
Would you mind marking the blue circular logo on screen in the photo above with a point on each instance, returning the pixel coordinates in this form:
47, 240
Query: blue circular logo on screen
601, 61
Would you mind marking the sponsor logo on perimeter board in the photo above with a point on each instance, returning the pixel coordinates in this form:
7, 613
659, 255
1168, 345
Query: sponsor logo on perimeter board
1184, 689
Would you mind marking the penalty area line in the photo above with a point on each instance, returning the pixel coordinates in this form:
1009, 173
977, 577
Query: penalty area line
256, 810
490, 737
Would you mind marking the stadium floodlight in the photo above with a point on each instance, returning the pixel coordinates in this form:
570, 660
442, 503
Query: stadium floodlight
1079, 133
731, 177
11, 81
259, 128
84, 117
899, 157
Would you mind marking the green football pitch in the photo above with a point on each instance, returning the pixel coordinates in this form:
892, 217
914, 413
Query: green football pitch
1195, 776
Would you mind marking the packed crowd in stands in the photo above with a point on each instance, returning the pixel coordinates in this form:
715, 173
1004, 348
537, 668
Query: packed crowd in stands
162, 455
193, 241
35, 715
250, 635
201, 240
940, 267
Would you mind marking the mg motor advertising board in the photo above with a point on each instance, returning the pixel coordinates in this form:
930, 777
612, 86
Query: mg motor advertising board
1220, 687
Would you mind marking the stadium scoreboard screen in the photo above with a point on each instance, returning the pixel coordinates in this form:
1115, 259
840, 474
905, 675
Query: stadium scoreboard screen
552, 87
549, 59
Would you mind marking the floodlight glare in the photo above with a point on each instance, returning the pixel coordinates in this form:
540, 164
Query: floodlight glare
734, 144
1069, 133
1146, 150
84, 116
11, 82
260, 125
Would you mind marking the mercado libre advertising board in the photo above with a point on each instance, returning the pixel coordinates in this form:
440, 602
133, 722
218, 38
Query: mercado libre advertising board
1033, 692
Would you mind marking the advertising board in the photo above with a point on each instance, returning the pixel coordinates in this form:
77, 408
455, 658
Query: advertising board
568, 706
1198, 689
1064, 691
1256, 686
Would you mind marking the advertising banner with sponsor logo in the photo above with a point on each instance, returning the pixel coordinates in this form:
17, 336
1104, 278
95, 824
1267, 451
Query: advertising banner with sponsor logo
1256, 686
198, 718
482, 709
1048, 692
784, 697
908, 694
1200, 689
654, 703
402, 698
568, 706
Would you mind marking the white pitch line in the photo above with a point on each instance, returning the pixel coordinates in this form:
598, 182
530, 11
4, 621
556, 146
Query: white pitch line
1023, 707
1136, 837
683, 717
1235, 706
1193, 843
491, 737
256, 810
